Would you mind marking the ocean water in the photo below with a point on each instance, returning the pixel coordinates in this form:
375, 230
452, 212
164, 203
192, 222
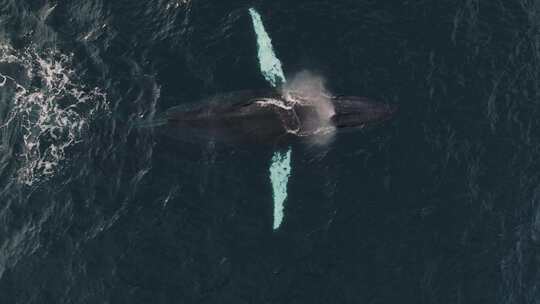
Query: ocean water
438, 205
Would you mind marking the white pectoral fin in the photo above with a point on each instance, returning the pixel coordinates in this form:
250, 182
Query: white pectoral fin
280, 171
270, 66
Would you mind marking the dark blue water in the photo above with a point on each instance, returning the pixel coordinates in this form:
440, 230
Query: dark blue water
439, 205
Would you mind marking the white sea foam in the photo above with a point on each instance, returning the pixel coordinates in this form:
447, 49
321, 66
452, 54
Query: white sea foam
175, 4
265, 102
308, 89
287, 113
50, 109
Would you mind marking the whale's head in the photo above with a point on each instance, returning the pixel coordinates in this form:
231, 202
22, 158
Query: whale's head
359, 112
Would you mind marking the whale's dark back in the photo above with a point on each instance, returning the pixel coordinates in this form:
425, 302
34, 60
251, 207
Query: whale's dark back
256, 116
231, 117
354, 111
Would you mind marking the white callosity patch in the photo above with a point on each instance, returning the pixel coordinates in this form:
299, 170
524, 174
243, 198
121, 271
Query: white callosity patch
48, 107
270, 65
280, 171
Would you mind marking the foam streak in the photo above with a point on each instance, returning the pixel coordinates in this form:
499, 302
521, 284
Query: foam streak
48, 106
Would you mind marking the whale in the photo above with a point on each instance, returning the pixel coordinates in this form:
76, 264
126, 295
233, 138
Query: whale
270, 116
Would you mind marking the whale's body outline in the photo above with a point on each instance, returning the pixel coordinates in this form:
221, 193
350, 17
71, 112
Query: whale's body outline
265, 116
